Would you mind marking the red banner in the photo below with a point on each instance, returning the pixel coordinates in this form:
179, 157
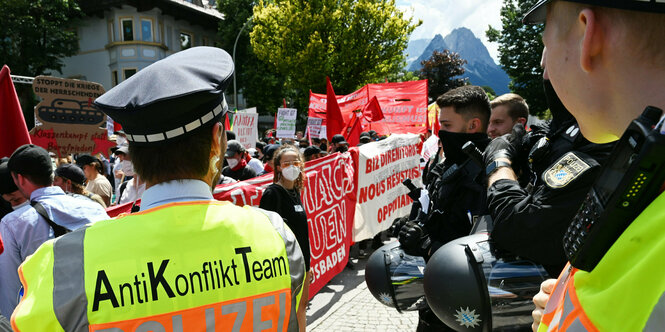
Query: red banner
329, 199
404, 105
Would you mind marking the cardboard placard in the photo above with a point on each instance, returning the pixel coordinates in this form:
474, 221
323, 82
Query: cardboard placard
70, 122
245, 125
286, 122
314, 127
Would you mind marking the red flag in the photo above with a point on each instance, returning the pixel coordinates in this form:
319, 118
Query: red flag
227, 124
372, 111
352, 130
284, 102
274, 124
13, 130
334, 119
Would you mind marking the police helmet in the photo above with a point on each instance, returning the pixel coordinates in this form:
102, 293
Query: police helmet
471, 286
395, 278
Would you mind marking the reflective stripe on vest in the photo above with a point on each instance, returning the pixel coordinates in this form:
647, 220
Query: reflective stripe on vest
563, 311
624, 292
179, 267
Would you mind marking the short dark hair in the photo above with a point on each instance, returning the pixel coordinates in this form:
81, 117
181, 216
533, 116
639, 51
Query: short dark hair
469, 101
517, 107
184, 158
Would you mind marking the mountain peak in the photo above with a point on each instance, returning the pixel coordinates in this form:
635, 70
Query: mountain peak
480, 67
469, 47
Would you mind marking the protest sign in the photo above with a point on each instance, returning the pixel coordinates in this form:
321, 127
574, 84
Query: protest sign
314, 127
404, 105
430, 147
70, 122
382, 166
245, 125
286, 122
329, 201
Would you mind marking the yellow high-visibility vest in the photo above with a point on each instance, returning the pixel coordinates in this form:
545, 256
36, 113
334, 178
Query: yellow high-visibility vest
186, 266
624, 292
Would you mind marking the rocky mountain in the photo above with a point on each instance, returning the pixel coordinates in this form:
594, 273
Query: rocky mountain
480, 68
414, 49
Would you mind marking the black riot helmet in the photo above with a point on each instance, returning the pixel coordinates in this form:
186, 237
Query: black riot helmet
395, 278
472, 287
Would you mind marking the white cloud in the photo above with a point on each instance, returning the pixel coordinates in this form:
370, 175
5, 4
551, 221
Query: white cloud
443, 16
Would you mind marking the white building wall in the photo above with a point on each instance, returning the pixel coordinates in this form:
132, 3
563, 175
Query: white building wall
102, 52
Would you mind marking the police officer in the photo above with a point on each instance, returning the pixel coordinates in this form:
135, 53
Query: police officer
545, 207
185, 262
458, 193
606, 61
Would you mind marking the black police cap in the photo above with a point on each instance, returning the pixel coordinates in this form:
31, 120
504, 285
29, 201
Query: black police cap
7, 185
172, 97
538, 12
31, 160
71, 172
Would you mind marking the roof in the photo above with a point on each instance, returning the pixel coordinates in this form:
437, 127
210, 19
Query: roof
194, 12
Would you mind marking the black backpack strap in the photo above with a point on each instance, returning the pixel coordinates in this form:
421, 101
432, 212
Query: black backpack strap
57, 229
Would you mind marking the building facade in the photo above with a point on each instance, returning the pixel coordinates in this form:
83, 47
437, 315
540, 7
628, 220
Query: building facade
118, 38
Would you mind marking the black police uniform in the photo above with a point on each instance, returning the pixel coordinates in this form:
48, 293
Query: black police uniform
457, 194
530, 222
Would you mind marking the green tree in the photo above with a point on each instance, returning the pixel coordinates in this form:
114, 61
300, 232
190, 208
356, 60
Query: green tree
520, 49
261, 85
442, 71
35, 36
352, 42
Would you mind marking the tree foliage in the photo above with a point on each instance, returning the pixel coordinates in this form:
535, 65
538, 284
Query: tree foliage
352, 42
35, 34
520, 49
261, 85
442, 71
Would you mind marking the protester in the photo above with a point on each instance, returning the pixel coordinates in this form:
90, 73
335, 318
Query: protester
283, 197
236, 158
181, 229
338, 144
8, 188
606, 61
252, 160
71, 179
24, 230
97, 182
268, 153
312, 152
507, 110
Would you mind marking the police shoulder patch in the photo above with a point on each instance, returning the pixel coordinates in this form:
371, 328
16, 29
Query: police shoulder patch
565, 170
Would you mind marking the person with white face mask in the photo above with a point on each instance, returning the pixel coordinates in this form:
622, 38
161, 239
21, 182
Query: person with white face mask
283, 197
237, 159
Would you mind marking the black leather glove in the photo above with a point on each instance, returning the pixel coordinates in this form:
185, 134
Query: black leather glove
413, 239
506, 146
397, 226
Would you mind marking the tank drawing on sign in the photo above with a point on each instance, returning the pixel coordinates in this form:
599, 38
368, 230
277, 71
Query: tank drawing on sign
69, 111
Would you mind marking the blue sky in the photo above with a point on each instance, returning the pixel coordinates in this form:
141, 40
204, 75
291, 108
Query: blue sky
443, 16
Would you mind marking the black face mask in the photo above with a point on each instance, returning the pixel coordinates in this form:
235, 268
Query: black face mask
560, 114
452, 144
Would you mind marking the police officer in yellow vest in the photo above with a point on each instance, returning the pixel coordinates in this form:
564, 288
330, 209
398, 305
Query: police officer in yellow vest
185, 262
606, 61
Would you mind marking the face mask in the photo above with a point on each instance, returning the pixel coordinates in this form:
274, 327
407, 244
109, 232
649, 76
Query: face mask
452, 144
232, 163
127, 168
291, 173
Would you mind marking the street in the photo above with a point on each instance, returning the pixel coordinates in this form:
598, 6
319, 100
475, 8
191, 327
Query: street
345, 304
